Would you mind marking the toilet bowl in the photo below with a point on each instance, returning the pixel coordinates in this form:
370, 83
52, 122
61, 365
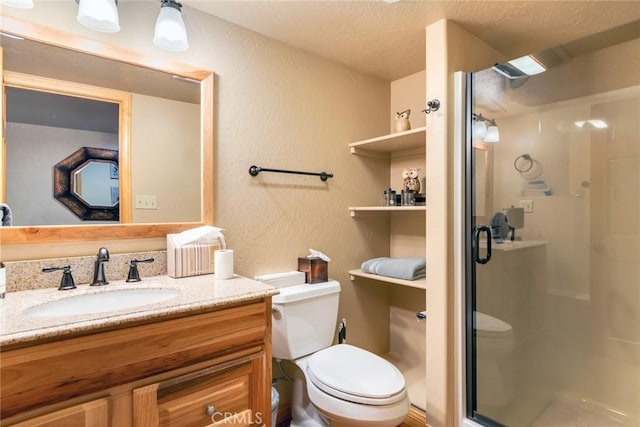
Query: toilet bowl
353, 387
338, 385
494, 361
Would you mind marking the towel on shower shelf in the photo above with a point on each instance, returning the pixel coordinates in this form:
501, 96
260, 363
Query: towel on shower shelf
5, 215
400, 268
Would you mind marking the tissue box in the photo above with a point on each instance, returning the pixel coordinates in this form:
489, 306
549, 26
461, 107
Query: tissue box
189, 260
315, 269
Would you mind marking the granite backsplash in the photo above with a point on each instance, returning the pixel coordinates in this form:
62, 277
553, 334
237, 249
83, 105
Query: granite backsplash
26, 275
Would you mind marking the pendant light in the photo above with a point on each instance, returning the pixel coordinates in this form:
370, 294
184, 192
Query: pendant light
99, 15
20, 4
485, 129
170, 32
493, 135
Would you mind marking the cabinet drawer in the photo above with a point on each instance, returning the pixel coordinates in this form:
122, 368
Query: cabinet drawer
89, 414
198, 399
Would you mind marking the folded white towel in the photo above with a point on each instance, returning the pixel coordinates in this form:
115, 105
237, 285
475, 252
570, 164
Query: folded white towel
400, 268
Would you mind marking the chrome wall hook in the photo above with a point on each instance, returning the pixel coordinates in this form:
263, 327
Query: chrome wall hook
432, 105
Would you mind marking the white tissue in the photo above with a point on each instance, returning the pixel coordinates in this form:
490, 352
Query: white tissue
317, 254
223, 264
204, 235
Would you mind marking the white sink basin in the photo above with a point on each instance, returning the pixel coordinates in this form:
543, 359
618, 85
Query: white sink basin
102, 302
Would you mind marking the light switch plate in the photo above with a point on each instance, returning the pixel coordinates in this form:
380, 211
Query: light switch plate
527, 205
146, 202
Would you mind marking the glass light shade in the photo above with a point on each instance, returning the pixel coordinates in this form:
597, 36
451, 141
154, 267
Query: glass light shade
493, 135
170, 32
99, 15
479, 129
20, 4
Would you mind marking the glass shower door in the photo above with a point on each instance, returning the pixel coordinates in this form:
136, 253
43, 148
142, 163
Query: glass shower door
553, 292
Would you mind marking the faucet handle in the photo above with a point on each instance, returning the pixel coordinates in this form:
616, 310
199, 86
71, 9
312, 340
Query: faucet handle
134, 275
67, 279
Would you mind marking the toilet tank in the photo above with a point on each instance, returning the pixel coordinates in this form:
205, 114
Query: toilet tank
304, 319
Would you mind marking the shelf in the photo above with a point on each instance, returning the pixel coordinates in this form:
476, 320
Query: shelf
419, 284
386, 209
508, 245
383, 146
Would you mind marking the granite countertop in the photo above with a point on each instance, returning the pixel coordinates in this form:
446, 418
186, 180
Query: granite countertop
196, 293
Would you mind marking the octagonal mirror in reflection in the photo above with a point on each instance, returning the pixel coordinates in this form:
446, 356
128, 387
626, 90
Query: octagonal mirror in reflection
96, 183
86, 182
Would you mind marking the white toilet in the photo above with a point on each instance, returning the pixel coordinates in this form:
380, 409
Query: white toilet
494, 360
336, 385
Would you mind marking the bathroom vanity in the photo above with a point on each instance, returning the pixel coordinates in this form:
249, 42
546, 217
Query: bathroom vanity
200, 358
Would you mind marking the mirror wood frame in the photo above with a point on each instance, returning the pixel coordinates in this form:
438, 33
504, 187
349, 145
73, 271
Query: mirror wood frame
82, 233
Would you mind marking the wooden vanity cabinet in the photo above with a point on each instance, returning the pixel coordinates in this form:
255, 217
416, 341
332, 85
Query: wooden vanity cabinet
211, 368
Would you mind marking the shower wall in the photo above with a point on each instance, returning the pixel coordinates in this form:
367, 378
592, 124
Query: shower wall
574, 303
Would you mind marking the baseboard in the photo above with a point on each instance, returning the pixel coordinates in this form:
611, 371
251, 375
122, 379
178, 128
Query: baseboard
415, 418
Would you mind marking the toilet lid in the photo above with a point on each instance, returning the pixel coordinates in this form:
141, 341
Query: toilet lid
353, 374
486, 325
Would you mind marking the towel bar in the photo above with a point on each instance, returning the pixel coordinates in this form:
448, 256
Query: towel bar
255, 170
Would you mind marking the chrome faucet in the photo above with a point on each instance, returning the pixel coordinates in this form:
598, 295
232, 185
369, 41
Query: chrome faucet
98, 270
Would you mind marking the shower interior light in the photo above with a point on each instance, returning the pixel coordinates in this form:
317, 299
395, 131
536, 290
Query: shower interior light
20, 4
170, 32
99, 15
528, 65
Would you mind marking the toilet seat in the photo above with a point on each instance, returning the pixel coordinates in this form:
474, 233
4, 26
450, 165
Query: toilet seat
490, 327
356, 375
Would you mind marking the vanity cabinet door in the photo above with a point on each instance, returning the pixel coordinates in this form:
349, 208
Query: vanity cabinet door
218, 396
89, 414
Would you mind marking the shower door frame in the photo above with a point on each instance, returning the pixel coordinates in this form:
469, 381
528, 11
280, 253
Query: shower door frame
464, 189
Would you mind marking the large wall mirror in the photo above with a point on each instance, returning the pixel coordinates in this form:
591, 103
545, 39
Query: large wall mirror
162, 139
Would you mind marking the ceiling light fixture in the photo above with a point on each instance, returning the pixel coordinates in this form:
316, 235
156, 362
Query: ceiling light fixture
529, 65
20, 4
485, 129
170, 32
99, 15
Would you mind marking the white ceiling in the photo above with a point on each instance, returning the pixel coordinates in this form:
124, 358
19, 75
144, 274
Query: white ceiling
388, 39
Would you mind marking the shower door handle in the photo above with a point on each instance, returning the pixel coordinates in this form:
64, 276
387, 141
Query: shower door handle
476, 244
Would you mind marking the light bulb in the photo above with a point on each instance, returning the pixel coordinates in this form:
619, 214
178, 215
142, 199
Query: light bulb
479, 129
493, 135
99, 15
170, 32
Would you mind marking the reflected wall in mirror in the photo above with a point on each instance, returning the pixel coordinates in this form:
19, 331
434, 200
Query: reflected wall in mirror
482, 183
86, 183
47, 121
166, 160
170, 144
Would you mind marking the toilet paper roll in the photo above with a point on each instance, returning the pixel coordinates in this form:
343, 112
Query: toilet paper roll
223, 263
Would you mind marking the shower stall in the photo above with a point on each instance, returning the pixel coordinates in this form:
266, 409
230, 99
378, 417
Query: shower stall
552, 231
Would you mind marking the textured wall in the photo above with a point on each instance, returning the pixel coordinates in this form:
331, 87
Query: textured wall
278, 107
